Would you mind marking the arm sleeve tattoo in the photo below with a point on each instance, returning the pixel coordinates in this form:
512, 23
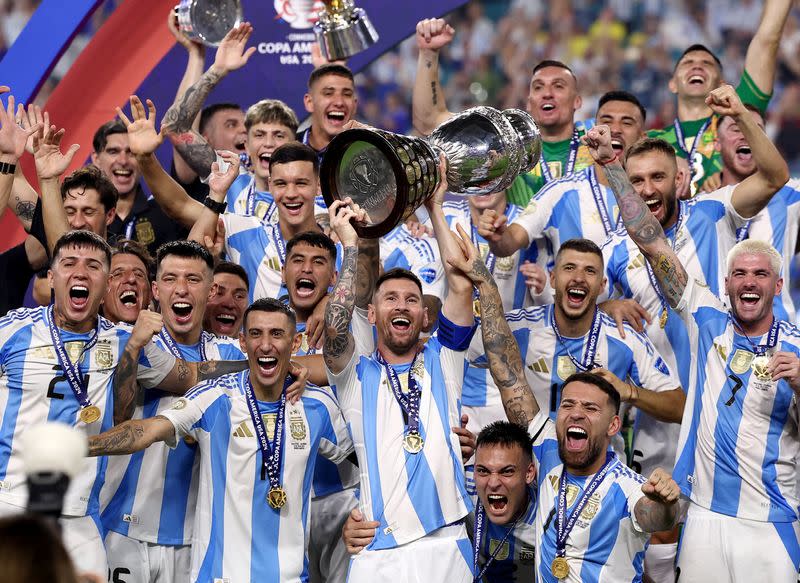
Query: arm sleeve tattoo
338, 340
125, 386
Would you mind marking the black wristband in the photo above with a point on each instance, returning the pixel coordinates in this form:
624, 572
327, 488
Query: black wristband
7, 168
217, 207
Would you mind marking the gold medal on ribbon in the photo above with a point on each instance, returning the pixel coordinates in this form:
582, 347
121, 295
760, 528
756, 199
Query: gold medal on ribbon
559, 568
90, 414
759, 367
276, 497
662, 321
413, 443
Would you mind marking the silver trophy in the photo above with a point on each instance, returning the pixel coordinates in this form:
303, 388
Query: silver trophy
343, 30
390, 175
208, 21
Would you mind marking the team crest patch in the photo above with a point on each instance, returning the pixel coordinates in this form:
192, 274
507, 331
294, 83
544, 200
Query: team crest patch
565, 367
527, 555
144, 232
179, 404
297, 428
505, 263
502, 554
261, 209
741, 361
103, 355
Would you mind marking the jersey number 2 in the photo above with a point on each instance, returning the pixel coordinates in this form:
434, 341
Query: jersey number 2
51, 388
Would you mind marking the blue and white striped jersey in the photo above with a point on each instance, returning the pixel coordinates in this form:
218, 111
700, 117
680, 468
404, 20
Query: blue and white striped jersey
739, 437
515, 560
548, 364
606, 544
399, 248
263, 203
506, 273
778, 225
33, 389
574, 206
259, 248
151, 494
410, 495
237, 535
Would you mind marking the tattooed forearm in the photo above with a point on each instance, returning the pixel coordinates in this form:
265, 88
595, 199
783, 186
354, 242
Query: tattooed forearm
195, 151
505, 361
212, 369
367, 271
340, 311
434, 96
648, 234
655, 516
125, 385
122, 439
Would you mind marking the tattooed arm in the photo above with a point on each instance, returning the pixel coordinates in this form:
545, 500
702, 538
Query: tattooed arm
125, 385
642, 226
179, 119
368, 268
184, 375
131, 436
658, 509
428, 108
339, 344
502, 350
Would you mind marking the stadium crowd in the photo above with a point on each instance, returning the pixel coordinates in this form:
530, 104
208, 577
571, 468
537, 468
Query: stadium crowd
592, 375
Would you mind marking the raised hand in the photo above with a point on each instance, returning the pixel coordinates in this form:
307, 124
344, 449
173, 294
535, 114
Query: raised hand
231, 53
29, 119
470, 262
535, 276
12, 137
786, 366
433, 34
143, 138
725, 101
50, 162
492, 225
598, 140
220, 179
183, 40
343, 213
660, 487
318, 59
147, 325
216, 244
437, 198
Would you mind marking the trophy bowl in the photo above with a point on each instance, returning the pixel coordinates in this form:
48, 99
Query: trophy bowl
343, 30
391, 175
208, 21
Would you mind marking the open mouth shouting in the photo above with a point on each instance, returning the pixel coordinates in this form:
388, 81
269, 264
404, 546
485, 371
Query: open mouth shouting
239, 146
749, 301
293, 208
336, 117
129, 298
744, 154
577, 438
548, 107
497, 503
401, 324
183, 312
79, 296
576, 296
267, 365
618, 145
654, 204
305, 288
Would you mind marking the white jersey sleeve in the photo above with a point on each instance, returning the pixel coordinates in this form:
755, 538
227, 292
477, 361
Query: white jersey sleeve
188, 410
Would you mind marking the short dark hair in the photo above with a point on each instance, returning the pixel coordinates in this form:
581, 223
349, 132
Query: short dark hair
131, 247
581, 246
294, 152
698, 47
100, 139
184, 248
91, 177
553, 63
82, 238
233, 269
315, 239
646, 145
329, 69
397, 273
211, 110
269, 305
506, 434
622, 96
597, 381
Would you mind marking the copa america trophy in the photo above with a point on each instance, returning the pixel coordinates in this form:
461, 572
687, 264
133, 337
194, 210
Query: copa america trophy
343, 30
390, 175
208, 21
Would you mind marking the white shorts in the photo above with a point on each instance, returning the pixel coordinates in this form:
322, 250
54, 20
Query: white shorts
81, 537
327, 554
720, 548
444, 556
135, 561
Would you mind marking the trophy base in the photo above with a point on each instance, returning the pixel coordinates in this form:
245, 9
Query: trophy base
343, 35
208, 21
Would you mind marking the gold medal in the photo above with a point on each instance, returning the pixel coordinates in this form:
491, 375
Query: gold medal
476, 308
413, 443
559, 568
276, 497
662, 321
759, 367
90, 414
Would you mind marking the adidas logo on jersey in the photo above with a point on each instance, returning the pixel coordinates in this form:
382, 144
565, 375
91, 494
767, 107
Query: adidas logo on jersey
130, 518
540, 366
636, 263
243, 430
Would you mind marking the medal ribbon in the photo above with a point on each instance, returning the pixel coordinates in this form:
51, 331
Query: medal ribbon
410, 403
477, 537
591, 346
271, 457
574, 143
597, 192
72, 369
172, 346
772, 335
743, 232
565, 525
130, 224
682, 141
651, 274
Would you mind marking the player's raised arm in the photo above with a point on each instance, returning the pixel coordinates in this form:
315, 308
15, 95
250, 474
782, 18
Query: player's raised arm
658, 509
502, 350
761, 59
642, 226
428, 108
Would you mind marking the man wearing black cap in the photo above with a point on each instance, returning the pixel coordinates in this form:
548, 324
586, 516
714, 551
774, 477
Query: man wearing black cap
698, 72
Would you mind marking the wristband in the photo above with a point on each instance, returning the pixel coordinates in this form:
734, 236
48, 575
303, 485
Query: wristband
217, 207
614, 159
7, 168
